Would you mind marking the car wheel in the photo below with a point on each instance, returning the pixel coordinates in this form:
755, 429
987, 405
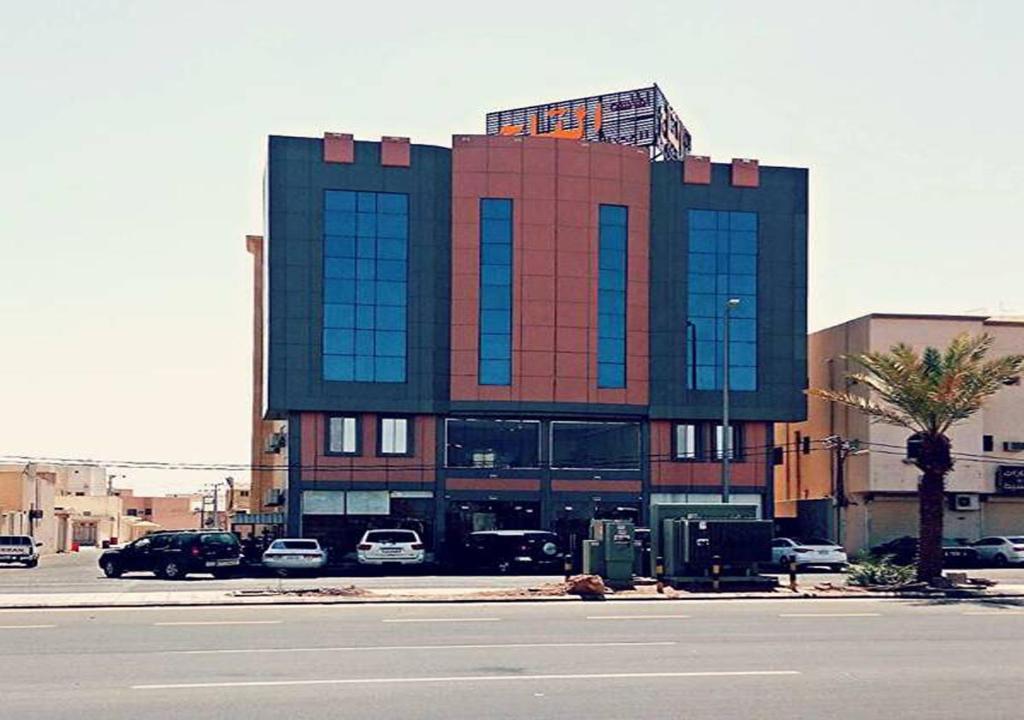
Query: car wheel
111, 569
171, 570
784, 562
1000, 560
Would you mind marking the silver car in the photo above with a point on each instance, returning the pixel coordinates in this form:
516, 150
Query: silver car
295, 555
1000, 550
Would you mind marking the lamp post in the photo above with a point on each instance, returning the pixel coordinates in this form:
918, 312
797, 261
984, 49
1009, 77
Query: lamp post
726, 441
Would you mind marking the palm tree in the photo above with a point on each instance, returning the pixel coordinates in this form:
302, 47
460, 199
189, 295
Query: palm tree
927, 394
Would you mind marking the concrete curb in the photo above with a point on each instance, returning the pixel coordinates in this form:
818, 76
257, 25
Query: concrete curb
269, 601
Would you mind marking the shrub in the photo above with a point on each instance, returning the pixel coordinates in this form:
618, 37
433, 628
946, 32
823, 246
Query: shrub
879, 571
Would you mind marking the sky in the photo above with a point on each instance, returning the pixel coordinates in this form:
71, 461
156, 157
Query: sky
133, 141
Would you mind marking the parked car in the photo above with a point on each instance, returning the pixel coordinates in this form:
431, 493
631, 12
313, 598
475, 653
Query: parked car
903, 551
19, 549
390, 547
295, 555
808, 552
512, 550
173, 555
1000, 550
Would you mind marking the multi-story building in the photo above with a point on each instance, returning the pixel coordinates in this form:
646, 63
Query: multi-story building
524, 331
986, 487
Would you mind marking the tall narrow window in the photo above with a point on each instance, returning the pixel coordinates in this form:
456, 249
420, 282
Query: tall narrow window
394, 436
366, 247
611, 297
342, 436
734, 446
686, 441
722, 266
495, 291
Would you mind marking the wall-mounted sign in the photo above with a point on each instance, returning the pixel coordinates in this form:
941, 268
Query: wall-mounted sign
368, 502
1010, 479
323, 502
642, 118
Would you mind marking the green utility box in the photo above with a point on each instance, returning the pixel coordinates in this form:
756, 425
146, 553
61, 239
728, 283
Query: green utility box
610, 551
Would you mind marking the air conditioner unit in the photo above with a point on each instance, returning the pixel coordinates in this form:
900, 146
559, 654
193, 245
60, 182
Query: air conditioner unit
964, 501
276, 442
1013, 446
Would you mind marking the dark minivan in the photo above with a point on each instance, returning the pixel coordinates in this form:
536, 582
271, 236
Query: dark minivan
512, 551
173, 555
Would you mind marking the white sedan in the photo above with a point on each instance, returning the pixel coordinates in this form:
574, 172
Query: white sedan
806, 552
390, 547
295, 555
1000, 550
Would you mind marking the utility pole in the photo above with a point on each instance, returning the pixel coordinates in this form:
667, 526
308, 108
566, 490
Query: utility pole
216, 517
841, 449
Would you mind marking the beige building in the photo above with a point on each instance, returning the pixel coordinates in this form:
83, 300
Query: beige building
984, 493
27, 506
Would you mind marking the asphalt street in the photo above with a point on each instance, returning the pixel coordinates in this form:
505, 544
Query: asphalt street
694, 660
79, 573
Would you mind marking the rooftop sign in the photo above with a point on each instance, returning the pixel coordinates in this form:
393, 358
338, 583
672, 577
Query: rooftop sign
642, 118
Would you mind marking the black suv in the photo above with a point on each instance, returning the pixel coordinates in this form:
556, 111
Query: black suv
511, 550
173, 555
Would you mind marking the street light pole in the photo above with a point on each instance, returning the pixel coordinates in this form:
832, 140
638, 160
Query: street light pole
726, 441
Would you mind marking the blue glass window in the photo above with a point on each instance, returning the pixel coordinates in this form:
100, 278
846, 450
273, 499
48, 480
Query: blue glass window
365, 291
495, 291
613, 222
722, 266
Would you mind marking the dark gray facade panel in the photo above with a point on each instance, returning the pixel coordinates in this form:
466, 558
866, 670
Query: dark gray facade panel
781, 205
298, 178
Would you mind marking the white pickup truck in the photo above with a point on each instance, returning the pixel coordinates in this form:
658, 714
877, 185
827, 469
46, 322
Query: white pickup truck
19, 549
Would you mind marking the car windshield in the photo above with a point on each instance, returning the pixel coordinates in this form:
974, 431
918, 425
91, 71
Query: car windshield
295, 545
391, 536
15, 540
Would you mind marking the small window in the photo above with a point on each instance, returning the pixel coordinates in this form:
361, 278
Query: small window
686, 440
343, 436
988, 443
735, 442
394, 436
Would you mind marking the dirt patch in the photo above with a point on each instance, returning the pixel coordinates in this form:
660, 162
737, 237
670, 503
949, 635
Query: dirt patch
348, 591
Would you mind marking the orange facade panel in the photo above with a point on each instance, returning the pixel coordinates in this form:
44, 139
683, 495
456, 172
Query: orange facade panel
339, 148
749, 472
556, 187
368, 466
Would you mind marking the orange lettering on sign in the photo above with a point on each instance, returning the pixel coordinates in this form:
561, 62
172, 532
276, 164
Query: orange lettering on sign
559, 130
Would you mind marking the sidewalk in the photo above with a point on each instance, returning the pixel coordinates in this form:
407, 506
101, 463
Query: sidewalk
357, 596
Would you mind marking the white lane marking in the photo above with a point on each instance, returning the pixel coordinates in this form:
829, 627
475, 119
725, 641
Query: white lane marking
636, 617
828, 615
433, 620
404, 648
25, 627
220, 622
994, 612
470, 679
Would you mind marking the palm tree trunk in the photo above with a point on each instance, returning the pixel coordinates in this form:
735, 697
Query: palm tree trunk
935, 461
930, 498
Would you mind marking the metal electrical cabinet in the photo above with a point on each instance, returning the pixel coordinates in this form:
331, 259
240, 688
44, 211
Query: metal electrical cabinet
610, 551
689, 546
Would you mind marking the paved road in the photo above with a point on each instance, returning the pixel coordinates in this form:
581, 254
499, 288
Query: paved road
693, 660
78, 572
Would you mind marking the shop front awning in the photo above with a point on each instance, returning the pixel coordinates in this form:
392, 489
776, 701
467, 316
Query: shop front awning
258, 519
